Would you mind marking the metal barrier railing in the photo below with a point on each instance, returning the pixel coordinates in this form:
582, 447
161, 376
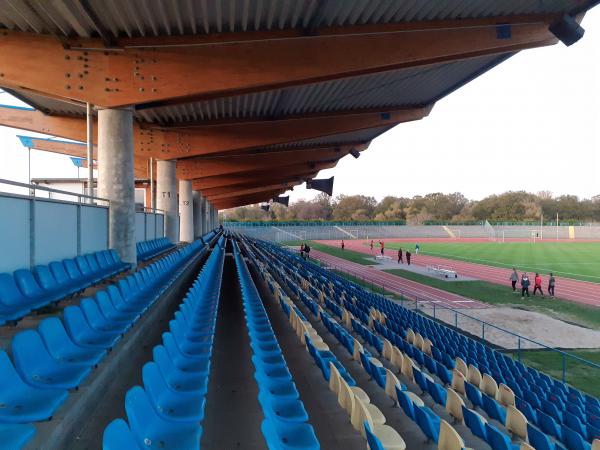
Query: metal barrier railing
496, 336
33, 188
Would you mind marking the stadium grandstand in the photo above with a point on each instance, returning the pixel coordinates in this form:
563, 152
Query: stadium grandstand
141, 322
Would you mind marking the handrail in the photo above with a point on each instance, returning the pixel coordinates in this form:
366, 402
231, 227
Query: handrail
35, 187
145, 209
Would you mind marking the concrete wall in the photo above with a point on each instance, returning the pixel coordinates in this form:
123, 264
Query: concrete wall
148, 226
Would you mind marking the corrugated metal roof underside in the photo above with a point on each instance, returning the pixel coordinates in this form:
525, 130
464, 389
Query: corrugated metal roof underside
359, 136
398, 88
181, 17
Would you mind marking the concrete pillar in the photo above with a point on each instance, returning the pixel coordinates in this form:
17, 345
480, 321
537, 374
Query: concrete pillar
116, 179
207, 226
199, 228
166, 197
186, 211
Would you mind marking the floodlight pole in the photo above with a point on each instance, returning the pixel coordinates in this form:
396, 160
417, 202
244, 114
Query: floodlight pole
557, 225
90, 150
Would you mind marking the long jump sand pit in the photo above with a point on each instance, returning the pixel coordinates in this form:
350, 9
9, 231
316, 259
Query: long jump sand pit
540, 327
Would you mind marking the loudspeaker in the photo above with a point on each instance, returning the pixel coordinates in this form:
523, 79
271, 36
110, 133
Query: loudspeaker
354, 153
567, 30
265, 207
324, 185
283, 200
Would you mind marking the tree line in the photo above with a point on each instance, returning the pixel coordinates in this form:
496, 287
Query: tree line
512, 206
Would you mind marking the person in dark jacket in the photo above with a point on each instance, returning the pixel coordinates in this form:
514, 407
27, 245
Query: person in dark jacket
343, 244
551, 284
408, 255
400, 261
307, 251
514, 278
525, 285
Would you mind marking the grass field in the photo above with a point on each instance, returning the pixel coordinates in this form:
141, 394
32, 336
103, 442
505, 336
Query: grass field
578, 374
357, 257
578, 260
495, 294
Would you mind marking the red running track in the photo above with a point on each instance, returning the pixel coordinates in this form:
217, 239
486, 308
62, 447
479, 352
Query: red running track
398, 285
583, 292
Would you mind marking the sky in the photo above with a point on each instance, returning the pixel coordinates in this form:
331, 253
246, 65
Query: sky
532, 123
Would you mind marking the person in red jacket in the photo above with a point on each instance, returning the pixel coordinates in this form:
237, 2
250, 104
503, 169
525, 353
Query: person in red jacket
538, 285
382, 247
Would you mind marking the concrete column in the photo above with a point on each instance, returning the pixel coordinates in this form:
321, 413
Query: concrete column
186, 211
198, 214
116, 179
207, 226
166, 197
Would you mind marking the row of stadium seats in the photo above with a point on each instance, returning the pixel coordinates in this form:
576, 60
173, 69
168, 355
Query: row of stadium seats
149, 249
168, 410
440, 362
61, 353
379, 436
25, 290
286, 421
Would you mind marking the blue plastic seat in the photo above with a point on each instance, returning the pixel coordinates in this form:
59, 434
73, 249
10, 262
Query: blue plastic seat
177, 406
13, 305
428, 422
277, 387
475, 423
82, 334
14, 436
474, 395
184, 362
32, 290
75, 273
86, 270
49, 283
178, 380
108, 309
151, 431
118, 436
282, 409
444, 374
499, 440
493, 409
420, 379
119, 302
289, 436
437, 392
62, 348
574, 440
21, 402
548, 425
98, 321
60, 274
372, 441
538, 439
39, 369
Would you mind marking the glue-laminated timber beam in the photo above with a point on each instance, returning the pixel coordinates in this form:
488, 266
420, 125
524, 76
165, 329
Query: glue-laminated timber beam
253, 190
280, 174
281, 182
191, 168
78, 149
217, 138
246, 199
158, 71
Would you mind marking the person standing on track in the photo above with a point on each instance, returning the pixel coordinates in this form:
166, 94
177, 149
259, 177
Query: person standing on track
382, 244
400, 261
371, 245
343, 245
551, 283
408, 255
537, 285
306, 251
417, 248
514, 277
524, 285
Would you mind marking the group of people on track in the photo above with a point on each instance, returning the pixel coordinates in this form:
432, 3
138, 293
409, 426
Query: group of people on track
526, 283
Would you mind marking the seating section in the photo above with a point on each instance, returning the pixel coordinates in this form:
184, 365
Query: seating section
512, 399
167, 411
149, 249
61, 353
286, 421
27, 290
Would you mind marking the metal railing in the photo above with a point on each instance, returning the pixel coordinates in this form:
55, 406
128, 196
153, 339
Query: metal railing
494, 335
33, 188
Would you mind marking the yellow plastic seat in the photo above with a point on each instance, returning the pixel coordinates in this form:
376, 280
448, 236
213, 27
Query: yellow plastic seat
396, 358
596, 444
387, 349
454, 404
391, 381
526, 446
410, 336
390, 439
488, 385
458, 381
516, 422
407, 368
505, 395
474, 375
347, 394
358, 349
418, 341
427, 344
461, 366
449, 439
